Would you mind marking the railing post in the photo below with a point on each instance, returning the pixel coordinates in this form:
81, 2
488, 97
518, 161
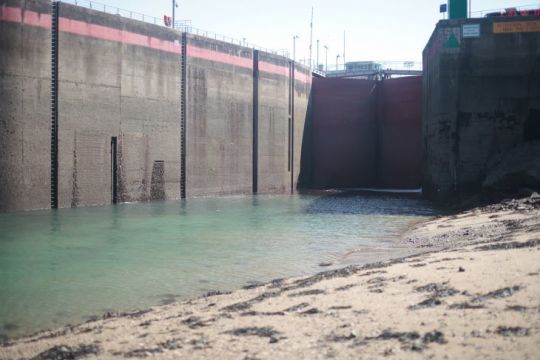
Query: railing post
156, 21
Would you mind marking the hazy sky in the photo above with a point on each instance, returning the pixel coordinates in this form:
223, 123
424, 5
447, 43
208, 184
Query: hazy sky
375, 29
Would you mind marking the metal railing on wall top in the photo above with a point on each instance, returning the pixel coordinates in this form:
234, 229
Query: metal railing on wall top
180, 25
373, 66
482, 13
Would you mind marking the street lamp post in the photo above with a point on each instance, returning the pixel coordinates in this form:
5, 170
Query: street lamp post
294, 47
326, 62
173, 6
317, 65
337, 61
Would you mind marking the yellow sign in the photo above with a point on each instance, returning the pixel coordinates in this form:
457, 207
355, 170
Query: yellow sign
516, 26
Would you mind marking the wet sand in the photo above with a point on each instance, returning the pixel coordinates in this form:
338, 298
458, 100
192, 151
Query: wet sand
473, 293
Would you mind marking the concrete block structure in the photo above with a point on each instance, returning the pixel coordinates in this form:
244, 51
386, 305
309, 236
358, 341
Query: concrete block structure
97, 109
219, 118
481, 89
300, 116
273, 134
110, 88
25, 116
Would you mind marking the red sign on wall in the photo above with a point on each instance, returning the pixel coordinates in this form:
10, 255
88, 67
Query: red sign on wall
514, 12
167, 20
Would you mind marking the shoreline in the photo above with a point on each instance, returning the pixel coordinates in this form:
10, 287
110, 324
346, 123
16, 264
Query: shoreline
444, 301
344, 259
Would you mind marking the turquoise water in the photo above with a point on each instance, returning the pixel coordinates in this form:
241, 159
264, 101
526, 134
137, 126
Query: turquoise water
59, 267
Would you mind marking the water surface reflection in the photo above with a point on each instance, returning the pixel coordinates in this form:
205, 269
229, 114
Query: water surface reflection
61, 266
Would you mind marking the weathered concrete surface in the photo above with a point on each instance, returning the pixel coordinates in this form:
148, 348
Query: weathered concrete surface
302, 96
122, 78
112, 88
273, 174
150, 116
25, 105
518, 169
219, 120
481, 99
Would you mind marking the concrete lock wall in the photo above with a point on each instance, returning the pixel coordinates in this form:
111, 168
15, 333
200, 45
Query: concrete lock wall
119, 96
219, 118
366, 133
480, 94
273, 128
111, 88
301, 102
25, 73
230, 147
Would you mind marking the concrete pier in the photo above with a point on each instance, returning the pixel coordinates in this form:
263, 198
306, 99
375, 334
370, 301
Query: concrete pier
481, 94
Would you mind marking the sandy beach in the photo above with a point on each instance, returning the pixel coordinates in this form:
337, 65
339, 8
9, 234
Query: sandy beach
473, 292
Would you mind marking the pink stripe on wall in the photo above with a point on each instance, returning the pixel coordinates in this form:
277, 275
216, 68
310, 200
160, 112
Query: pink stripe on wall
106, 33
283, 71
10, 14
206, 54
273, 69
302, 77
82, 28
32, 18
36, 19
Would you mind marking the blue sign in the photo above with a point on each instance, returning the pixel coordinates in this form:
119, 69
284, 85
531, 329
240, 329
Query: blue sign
443, 8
